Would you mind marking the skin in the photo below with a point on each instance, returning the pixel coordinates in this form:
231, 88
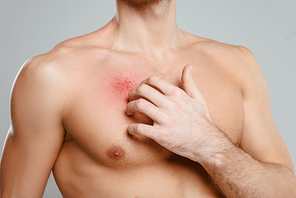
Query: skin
118, 113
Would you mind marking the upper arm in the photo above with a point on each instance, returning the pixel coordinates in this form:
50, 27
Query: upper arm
36, 135
261, 138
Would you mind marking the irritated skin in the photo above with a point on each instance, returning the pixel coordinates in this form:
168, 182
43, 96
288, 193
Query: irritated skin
208, 133
107, 161
121, 85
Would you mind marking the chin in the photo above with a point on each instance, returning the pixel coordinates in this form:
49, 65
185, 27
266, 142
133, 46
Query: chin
140, 3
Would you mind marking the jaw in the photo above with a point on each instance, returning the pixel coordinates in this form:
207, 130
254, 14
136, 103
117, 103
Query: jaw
142, 4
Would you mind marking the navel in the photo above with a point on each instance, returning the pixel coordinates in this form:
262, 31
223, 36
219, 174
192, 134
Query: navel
115, 152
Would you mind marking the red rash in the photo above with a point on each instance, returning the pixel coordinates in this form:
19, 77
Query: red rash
122, 85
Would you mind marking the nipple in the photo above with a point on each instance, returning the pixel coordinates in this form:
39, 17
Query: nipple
115, 152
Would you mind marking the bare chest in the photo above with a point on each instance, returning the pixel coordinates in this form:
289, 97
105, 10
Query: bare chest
97, 118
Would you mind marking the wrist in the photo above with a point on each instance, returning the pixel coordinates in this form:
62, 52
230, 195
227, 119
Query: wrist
216, 151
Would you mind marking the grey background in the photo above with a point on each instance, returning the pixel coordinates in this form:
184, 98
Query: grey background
266, 27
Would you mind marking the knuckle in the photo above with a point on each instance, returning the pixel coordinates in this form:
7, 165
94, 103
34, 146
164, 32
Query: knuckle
138, 128
141, 129
143, 88
166, 119
178, 93
152, 79
169, 106
141, 104
173, 105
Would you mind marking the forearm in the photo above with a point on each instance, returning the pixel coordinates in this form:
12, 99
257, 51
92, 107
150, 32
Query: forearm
239, 175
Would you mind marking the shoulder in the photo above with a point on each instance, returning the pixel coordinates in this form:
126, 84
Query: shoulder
63, 60
41, 83
39, 69
237, 61
221, 52
225, 53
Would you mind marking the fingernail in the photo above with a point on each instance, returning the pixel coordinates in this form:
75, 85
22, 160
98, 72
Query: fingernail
190, 69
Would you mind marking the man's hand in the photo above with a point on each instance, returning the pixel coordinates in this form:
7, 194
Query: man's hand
181, 120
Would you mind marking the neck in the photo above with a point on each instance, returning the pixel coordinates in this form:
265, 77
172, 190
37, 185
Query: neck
150, 28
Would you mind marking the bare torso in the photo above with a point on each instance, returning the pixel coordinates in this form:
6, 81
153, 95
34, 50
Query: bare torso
71, 114
99, 158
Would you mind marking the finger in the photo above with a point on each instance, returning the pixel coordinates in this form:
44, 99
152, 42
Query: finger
160, 84
142, 129
188, 83
147, 92
145, 107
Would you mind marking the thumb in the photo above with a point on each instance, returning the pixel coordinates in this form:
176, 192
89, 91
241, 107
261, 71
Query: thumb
188, 83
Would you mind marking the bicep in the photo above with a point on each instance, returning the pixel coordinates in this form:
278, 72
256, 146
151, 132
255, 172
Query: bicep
36, 135
261, 138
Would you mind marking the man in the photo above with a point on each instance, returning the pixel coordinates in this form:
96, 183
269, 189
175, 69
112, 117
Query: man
140, 108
